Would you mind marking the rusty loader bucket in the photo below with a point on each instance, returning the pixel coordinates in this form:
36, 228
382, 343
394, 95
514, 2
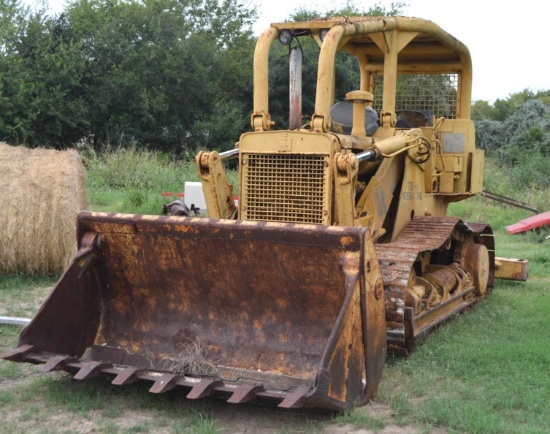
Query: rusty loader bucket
249, 311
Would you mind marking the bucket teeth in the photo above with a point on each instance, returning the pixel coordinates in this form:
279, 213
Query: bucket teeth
295, 399
18, 354
91, 369
203, 388
164, 383
57, 363
127, 376
245, 394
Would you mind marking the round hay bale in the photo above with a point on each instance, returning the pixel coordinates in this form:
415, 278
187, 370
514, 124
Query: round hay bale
42, 192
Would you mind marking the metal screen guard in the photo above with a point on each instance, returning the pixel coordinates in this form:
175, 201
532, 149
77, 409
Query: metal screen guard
286, 188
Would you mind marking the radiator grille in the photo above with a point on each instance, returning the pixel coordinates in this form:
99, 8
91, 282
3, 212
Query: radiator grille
289, 188
434, 92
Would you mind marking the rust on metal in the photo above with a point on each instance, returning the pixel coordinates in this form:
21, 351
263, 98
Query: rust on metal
511, 269
164, 383
126, 376
18, 354
439, 240
295, 88
90, 370
475, 260
58, 362
295, 399
245, 393
204, 388
250, 310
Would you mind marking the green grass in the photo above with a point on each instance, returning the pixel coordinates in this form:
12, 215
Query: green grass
515, 182
361, 418
531, 246
198, 424
22, 282
21, 294
40, 400
486, 372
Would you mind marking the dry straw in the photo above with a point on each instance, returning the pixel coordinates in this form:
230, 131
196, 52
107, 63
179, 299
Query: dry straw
42, 192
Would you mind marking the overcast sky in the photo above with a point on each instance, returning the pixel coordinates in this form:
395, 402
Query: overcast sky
508, 40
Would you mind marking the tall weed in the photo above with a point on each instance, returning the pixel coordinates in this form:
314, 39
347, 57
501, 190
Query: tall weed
132, 180
527, 182
133, 168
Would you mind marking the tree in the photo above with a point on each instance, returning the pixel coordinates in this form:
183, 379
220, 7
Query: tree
158, 67
482, 110
41, 72
520, 144
489, 135
526, 133
150, 71
505, 107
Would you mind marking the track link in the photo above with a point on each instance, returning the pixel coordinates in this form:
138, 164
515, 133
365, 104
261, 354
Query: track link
420, 238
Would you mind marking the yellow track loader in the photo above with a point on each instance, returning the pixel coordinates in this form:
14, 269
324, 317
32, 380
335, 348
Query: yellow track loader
339, 249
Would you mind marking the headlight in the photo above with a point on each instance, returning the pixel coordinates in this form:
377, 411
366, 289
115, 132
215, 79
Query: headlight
285, 37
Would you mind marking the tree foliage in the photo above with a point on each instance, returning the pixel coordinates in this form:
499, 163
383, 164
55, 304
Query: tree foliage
40, 80
164, 73
505, 107
167, 74
520, 143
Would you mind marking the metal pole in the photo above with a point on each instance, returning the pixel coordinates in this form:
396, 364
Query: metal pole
508, 201
369, 155
295, 88
11, 320
229, 154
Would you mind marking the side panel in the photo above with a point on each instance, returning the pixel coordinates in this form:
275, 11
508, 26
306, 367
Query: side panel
476, 181
457, 160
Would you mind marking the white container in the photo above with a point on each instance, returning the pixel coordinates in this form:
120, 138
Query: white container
194, 196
